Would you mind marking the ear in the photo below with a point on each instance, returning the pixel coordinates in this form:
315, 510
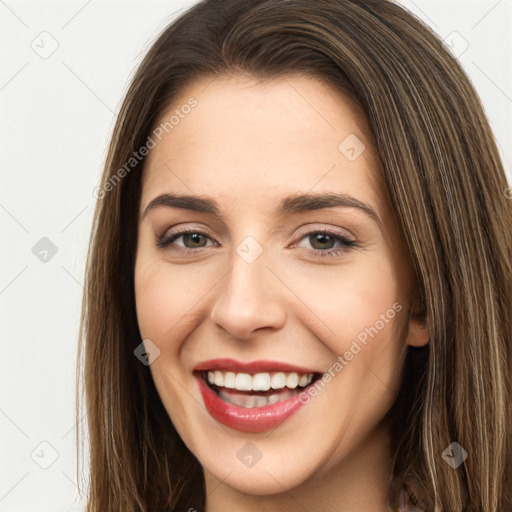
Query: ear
418, 334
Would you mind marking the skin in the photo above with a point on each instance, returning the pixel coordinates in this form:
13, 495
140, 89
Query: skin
248, 145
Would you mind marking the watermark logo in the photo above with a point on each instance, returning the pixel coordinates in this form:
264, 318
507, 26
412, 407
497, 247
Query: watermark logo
249, 249
45, 45
351, 147
457, 44
44, 250
249, 455
147, 352
44, 455
455, 455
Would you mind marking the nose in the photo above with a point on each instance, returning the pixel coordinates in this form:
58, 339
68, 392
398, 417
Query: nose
250, 298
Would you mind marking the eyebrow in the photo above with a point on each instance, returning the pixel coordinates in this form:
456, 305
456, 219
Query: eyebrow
294, 203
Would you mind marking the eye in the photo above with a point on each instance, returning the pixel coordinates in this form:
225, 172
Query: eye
193, 239
324, 242
328, 243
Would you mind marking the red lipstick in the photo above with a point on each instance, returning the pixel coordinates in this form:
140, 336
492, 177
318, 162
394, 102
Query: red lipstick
232, 365
250, 419
257, 419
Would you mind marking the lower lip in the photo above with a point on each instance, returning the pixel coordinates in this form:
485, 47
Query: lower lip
255, 419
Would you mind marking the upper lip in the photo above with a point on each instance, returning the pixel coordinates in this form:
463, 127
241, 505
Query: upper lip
233, 365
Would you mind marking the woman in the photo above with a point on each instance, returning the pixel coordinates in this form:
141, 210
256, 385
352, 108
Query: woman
298, 292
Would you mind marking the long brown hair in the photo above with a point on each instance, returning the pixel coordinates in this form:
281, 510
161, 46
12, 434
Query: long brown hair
447, 189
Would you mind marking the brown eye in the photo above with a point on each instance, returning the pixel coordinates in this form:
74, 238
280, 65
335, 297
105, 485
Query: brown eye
195, 240
323, 240
192, 239
327, 243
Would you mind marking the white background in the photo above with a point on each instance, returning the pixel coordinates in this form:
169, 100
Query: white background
56, 116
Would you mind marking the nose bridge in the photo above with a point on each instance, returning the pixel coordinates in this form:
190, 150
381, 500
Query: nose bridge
250, 297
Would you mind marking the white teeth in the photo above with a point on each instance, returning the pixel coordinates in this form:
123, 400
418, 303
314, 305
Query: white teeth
229, 380
262, 381
243, 382
272, 399
303, 381
218, 378
278, 381
292, 381
251, 401
260, 401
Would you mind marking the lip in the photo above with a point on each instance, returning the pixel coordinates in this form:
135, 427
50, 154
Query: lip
232, 365
256, 419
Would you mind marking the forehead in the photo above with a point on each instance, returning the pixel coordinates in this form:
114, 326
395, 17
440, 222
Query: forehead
263, 140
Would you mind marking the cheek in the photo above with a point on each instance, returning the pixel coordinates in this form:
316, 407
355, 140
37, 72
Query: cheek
168, 300
165, 302
161, 296
354, 299
153, 295
361, 308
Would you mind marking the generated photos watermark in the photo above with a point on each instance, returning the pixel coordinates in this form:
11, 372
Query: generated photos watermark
355, 348
137, 156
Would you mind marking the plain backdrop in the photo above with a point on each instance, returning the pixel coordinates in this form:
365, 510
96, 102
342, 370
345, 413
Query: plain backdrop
65, 67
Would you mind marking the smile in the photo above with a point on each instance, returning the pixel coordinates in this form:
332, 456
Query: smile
252, 401
257, 390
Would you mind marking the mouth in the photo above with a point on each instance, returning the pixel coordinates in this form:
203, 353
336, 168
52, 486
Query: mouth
257, 390
244, 397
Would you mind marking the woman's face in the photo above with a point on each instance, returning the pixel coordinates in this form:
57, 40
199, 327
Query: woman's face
290, 273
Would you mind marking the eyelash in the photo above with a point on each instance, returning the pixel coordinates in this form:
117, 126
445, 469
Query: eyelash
164, 241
